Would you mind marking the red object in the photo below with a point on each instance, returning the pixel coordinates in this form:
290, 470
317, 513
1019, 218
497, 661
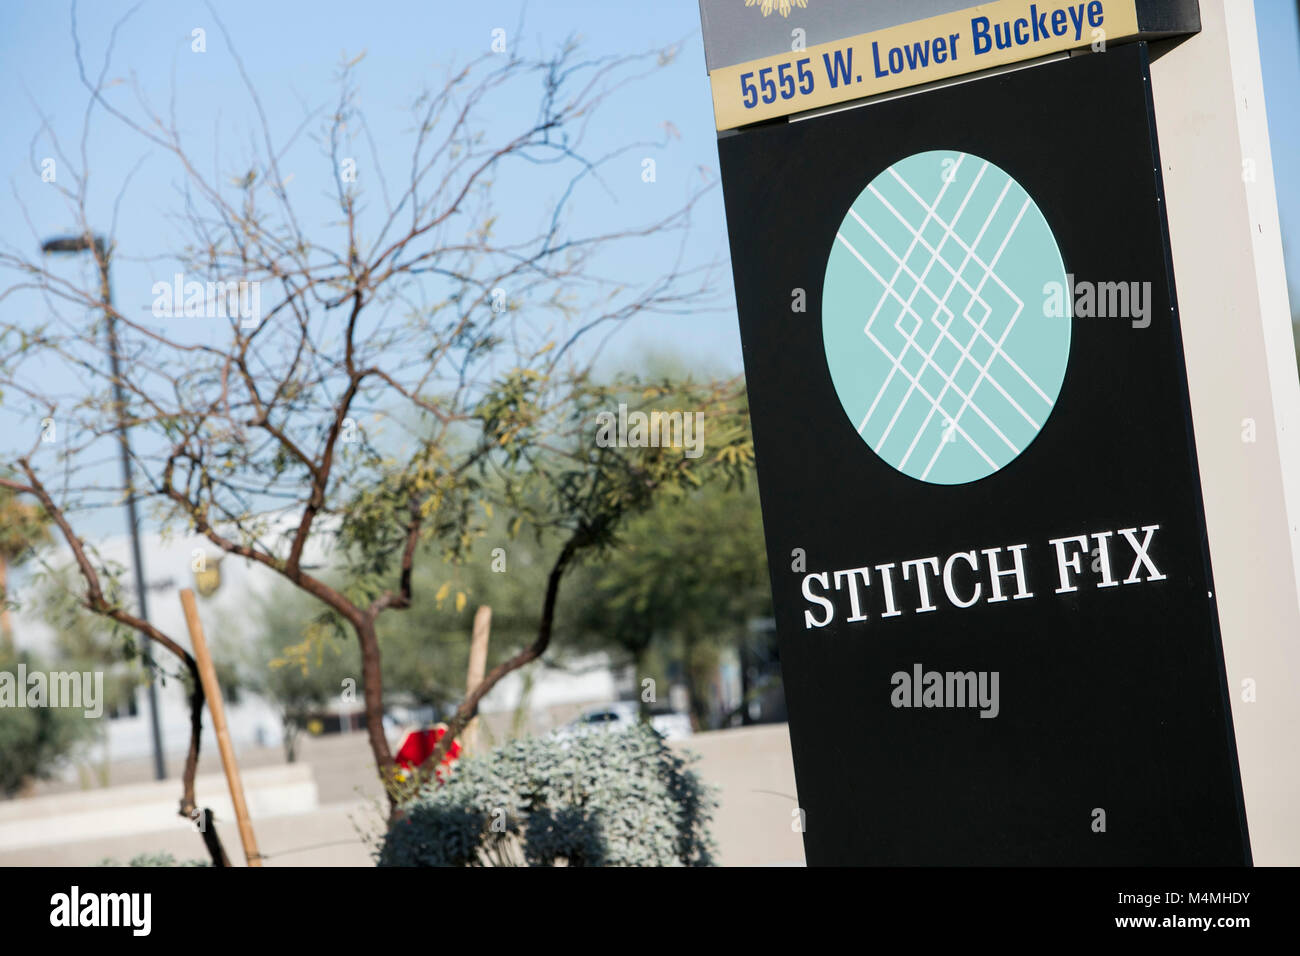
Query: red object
419, 744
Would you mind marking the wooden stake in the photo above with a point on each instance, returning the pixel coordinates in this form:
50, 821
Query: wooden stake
478, 647
211, 690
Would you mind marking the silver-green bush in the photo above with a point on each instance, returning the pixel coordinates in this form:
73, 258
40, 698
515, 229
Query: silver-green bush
613, 799
161, 858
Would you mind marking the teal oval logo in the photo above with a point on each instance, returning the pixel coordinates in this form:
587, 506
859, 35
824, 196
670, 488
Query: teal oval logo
933, 317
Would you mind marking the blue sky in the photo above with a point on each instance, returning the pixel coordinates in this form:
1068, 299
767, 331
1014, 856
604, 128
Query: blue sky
1279, 51
292, 52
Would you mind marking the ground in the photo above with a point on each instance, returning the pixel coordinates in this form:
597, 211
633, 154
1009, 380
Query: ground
335, 799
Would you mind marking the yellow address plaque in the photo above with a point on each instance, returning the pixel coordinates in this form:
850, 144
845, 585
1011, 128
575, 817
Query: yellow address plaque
988, 35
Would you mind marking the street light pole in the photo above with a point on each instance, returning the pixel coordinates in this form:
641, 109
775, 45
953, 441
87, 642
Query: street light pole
102, 251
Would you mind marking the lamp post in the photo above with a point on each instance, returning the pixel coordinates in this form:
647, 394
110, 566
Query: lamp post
102, 251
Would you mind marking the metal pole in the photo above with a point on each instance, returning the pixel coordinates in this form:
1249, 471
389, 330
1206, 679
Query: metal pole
137, 558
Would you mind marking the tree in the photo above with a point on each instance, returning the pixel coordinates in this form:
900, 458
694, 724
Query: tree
689, 576
34, 739
82, 641
23, 527
426, 650
264, 432
86, 642
295, 664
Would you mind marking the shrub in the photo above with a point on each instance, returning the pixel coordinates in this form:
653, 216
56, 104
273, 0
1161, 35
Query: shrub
613, 799
34, 741
161, 858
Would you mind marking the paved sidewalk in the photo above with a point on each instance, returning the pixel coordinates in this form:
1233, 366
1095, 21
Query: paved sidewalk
752, 826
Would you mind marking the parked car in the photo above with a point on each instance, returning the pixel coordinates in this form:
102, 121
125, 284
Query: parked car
621, 715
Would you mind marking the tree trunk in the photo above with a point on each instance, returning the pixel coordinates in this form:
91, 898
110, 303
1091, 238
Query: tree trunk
289, 738
373, 682
207, 825
6, 623
469, 706
198, 816
698, 672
